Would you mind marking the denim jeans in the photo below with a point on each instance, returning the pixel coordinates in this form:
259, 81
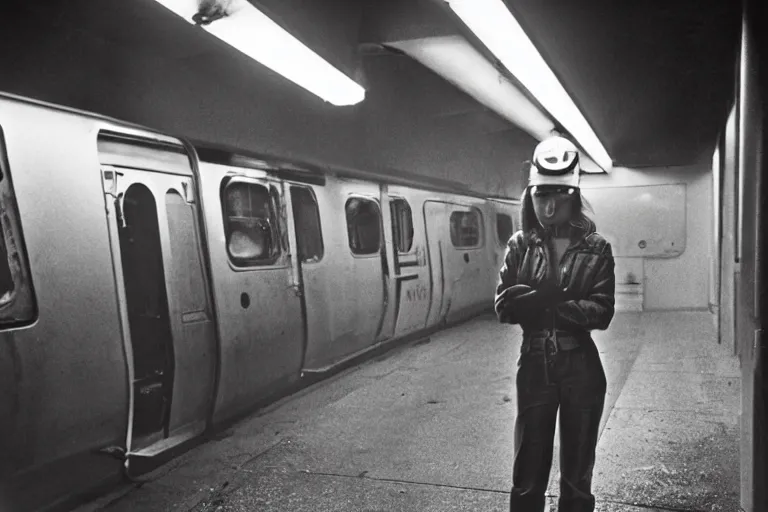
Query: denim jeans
573, 381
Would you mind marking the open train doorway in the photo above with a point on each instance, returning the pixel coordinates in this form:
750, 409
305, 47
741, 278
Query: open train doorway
148, 319
163, 297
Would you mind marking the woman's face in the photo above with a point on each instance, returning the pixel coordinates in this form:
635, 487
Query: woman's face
553, 205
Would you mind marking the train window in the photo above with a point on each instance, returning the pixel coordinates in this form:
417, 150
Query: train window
465, 229
309, 236
402, 225
363, 226
504, 228
17, 298
250, 224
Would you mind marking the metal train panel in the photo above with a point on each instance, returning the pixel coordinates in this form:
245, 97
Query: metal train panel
353, 284
149, 152
258, 309
69, 393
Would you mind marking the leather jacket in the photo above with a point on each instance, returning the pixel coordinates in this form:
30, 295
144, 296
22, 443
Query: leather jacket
586, 271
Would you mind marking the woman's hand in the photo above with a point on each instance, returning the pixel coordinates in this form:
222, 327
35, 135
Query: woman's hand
507, 298
547, 295
521, 300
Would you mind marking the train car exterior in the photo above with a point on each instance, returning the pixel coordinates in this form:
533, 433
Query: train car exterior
152, 293
65, 388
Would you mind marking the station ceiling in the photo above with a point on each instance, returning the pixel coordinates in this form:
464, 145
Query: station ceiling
655, 80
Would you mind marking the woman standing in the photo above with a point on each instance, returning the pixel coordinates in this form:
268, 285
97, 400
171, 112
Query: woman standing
557, 283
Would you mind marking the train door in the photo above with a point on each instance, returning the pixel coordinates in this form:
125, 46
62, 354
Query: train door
388, 252
410, 270
366, 269
360, 281
435, 220
466, 262
314, 273
455, 241
164, 303
257, 292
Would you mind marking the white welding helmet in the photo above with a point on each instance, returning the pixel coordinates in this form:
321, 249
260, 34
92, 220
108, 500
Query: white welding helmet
555, 162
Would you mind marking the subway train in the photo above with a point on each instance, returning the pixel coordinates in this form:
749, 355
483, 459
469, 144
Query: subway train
154, 289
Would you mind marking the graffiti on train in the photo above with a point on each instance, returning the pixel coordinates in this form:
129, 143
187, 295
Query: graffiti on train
417, 293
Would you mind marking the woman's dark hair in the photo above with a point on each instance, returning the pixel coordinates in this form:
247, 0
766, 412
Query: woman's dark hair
580, 221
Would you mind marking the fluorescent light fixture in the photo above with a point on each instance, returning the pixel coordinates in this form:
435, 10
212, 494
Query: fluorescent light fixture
250, 31
588, 166
494, 25
458, 62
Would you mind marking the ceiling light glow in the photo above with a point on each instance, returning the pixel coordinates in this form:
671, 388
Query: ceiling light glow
253, 33
494, 25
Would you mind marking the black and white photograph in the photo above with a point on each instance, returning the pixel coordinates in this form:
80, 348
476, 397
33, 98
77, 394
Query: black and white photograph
383, 256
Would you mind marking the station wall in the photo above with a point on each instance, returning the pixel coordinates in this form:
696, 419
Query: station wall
680, 283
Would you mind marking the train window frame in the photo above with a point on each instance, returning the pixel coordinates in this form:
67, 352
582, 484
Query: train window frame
503, 243
316, 204
379, 224
21, 308
396, 235
275, 224
480, 231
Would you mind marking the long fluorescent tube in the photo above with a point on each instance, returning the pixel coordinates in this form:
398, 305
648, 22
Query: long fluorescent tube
250, 31
494, 25
457, 61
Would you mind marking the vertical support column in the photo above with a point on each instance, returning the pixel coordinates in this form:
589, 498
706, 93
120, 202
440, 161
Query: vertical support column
727, 243
757, 25
714, 260
752, 135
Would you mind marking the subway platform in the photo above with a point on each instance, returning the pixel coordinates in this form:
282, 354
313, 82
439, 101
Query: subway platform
429, 427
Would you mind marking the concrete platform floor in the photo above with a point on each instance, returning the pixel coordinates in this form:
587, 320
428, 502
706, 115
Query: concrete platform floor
429, 427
